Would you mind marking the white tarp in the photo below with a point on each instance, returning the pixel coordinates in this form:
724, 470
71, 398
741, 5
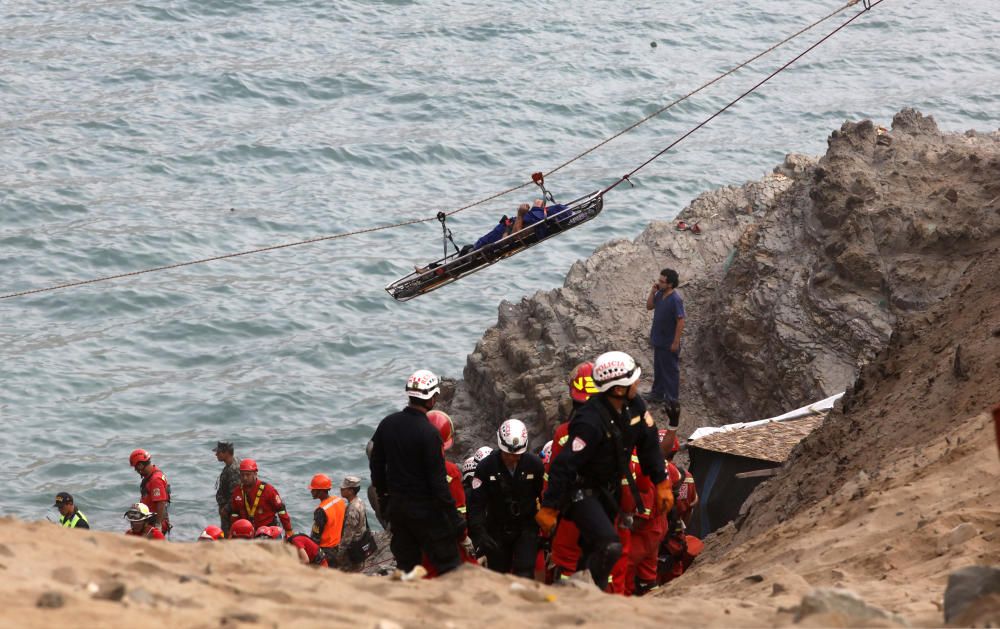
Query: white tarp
813, 409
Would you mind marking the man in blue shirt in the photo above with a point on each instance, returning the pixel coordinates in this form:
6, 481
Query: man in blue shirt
668, 325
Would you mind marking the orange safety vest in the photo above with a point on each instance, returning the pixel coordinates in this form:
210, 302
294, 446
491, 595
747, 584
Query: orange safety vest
335, 508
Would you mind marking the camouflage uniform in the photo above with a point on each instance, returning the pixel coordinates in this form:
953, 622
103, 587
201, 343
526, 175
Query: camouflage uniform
355, 523
228, 481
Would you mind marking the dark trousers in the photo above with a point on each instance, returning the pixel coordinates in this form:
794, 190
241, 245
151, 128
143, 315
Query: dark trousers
666, 374
418, 530
597, 531
516, 553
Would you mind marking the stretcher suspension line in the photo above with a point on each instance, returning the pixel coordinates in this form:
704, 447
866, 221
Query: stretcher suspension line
868, 4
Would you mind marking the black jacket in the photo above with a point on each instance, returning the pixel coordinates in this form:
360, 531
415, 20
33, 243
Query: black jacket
407, 462
502, 504
589, 461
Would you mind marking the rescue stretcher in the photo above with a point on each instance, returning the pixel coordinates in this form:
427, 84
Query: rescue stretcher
456, 266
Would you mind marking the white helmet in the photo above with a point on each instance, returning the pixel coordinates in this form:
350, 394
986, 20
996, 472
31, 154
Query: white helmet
547, 451
469, 468
482, 453
138, 513
423, 384
615, 369
512, 437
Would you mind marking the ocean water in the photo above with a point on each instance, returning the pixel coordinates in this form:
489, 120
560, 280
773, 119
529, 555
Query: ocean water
137, 134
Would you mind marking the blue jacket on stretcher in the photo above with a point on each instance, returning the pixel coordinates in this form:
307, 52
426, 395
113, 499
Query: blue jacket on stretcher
503, 227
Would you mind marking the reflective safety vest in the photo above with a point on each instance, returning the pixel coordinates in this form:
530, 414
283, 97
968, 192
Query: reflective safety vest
71, 522
335, 508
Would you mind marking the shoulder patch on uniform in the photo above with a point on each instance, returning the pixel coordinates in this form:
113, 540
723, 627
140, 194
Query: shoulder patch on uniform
635, 420
578, 444
476, 483
156, 492
649, 420
529, 476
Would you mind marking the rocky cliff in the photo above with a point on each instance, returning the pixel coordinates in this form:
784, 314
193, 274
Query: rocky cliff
793, 285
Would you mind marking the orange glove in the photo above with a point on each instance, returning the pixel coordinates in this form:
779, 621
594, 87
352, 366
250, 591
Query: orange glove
664, 496
547, 518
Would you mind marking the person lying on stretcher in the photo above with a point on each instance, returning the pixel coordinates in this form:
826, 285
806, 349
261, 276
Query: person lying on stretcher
526, 215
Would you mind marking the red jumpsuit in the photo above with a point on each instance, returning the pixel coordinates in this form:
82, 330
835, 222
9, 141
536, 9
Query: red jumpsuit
153, 489
566, 541
650, 527
681, 548
262, 506
619, 574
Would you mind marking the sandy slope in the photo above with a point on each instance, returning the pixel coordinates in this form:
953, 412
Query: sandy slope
885, 541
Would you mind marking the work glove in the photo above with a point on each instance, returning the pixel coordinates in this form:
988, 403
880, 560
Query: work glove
487, 544
547, 517
664, 496
673, 410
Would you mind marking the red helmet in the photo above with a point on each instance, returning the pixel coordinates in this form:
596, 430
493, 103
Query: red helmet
248, 465
319, 481
241, 529
676, 445
270, 532
211, 534
444, 425
138, 456
581, 382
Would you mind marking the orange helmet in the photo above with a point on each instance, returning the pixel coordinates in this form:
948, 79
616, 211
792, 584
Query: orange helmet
444, 425
321, 481
581, 382
211, 534
138, 456
248, 465
241, 529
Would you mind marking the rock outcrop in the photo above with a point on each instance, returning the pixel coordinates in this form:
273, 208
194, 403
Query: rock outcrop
793, 285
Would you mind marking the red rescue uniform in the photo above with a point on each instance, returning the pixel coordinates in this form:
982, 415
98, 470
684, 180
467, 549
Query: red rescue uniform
262, 506
312, 549
648, 531
566, 540
150, 533
154, 489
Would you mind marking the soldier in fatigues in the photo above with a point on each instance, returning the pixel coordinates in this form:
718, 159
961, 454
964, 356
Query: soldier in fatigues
228, 481
355, 523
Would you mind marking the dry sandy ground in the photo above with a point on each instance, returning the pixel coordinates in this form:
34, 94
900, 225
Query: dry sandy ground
888, 543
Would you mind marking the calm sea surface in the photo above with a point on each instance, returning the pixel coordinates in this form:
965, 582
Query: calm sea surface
137, 134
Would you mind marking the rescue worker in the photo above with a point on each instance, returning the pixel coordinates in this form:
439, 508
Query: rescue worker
446, 428
328, 518
468, 472
648, 528
678, 549
154, 490
142, 522
585, 477
355, 523
408, 472
241, 529
257, 501
307, 550
229, 480
211, 533
505, 493
69, 516
565, 546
